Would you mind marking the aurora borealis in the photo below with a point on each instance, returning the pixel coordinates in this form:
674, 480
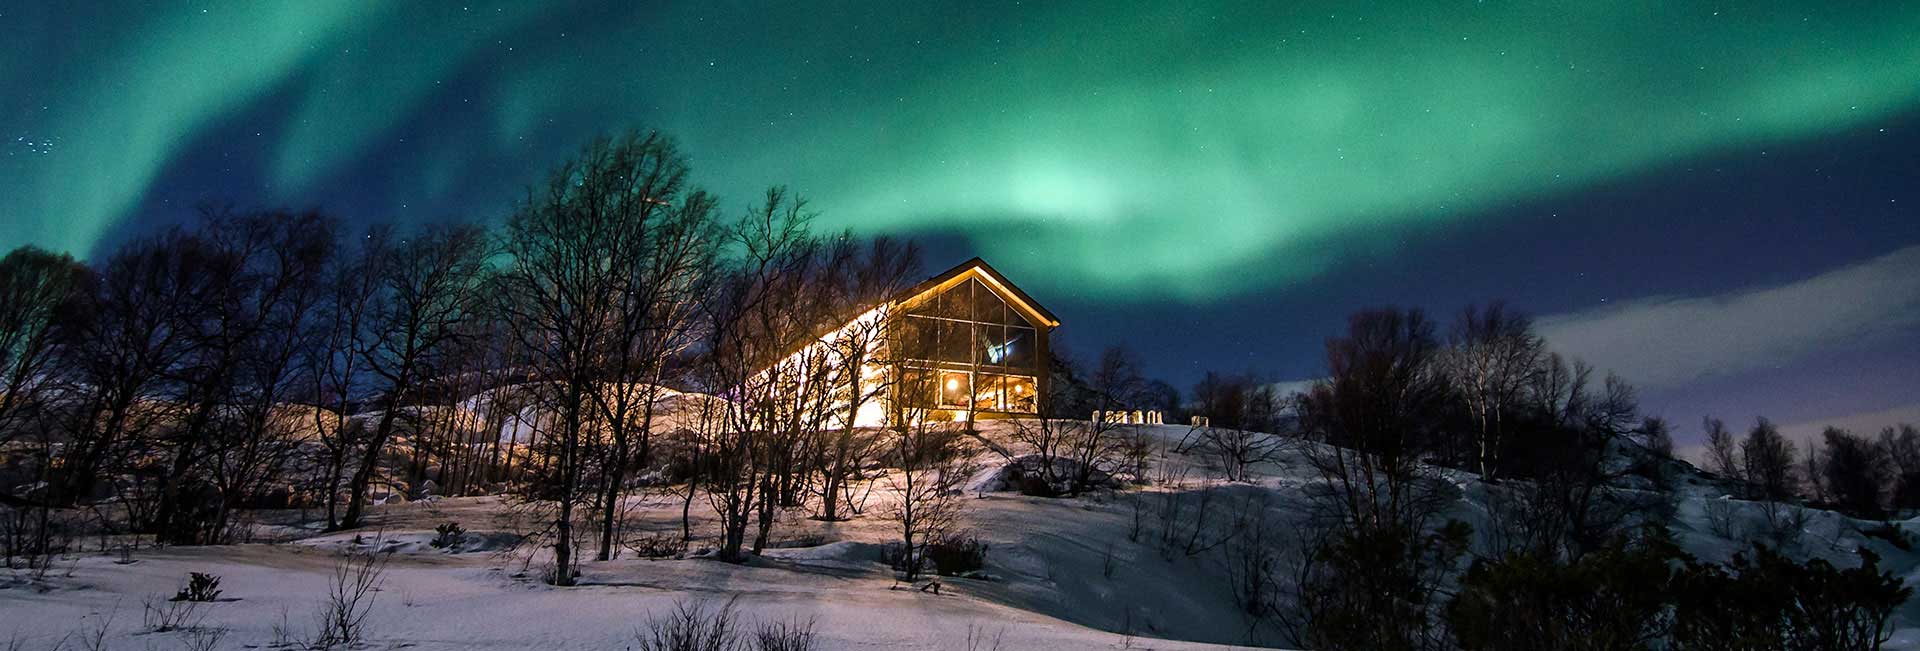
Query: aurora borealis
1262, 165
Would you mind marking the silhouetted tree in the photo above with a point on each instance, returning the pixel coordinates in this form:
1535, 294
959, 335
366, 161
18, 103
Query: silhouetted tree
126, 349
1853, 472
40, 304
1902, 446
1723, 454
1768, 463
429, 288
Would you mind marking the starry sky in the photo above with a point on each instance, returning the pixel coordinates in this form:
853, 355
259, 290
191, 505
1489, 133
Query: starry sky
1717, 200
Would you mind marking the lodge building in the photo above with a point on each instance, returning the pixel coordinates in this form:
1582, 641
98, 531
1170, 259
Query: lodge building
967, 344
977, 342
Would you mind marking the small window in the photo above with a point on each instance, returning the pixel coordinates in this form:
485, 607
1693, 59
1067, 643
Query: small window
1022, 396
987, 393
955, 388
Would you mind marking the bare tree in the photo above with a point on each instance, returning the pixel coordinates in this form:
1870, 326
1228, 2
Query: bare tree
339, 367
124, 350
40, 294
1853, 471
1902, 445
1375, 418
1492, 357
1723, 455
1369, 563
1236, 452
581, 250
762, 320
862, 292
1768, 463
929, 489
1072, 456
428, 290
659, 261
260, 433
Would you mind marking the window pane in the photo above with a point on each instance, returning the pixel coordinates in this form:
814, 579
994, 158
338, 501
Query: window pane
954, 389
954, 302
986, 397
955, 342
917, 336
1020, 348
987, 307
917, 388
991, 338
1021, 394
1012, 316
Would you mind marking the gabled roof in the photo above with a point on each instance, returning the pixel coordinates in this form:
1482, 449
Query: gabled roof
978, 268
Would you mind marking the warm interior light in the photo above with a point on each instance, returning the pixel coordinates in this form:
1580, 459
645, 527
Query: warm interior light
953, 384
1019, 389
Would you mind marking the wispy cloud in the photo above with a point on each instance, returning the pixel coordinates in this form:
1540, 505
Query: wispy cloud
1671, 341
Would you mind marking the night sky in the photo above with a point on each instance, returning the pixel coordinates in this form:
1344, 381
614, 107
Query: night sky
1720, 201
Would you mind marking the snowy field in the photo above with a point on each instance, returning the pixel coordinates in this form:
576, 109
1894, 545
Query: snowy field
1061, 574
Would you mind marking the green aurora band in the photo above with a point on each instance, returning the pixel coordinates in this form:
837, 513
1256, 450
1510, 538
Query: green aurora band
1142, 151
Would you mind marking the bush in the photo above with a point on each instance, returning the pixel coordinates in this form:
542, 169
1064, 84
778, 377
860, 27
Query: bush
694, 626
170, 615
1033, 485
1617, 598
957, 555
1767, 601
201, 587
448, 535
658, 545
342, 617
1894, 535
697, 626
1373, 588
1653, 596
784, 636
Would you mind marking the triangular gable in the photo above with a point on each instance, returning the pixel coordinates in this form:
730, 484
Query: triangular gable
989, 277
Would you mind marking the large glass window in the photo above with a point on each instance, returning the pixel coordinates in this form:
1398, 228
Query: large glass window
980, 351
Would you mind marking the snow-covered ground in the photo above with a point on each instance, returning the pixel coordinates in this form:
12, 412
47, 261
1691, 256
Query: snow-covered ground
1049, 584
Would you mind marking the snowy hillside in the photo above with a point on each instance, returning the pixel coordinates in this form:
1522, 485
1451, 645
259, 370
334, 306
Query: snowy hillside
1101, 571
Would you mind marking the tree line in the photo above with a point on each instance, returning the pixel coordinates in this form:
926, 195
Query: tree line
618, 333
1578, 494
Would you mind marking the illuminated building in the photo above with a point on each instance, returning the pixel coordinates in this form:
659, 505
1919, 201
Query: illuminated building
964, 344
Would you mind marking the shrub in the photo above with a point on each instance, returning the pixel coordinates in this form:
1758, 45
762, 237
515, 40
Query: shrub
697, 626
1033, 485
1894, 535
1653, 596
448, 535
784, 636
170, 615
342, 617
1617, 598
694, 626
1767, 601
201, 587
658, 545
957, 555
1373, 588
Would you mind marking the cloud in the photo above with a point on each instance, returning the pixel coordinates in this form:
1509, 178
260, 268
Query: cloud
1669, 341
1865, 424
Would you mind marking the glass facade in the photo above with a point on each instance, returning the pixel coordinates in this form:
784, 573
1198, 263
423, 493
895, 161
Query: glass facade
982, 353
